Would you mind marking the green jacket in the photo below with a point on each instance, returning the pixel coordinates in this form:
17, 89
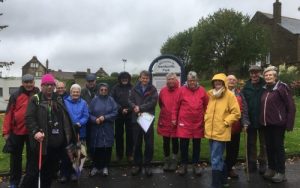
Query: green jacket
253, 96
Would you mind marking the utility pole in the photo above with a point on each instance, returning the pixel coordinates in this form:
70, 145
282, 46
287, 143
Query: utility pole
124, 61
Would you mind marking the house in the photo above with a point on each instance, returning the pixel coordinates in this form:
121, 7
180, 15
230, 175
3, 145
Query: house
285, 36
35, 67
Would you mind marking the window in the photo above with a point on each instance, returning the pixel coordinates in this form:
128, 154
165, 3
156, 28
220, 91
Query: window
1, 92
11, 90
33, 65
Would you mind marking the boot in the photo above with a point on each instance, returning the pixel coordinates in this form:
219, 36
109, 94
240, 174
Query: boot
166, 164
262, 167
278, 178
182, 169
216, 179
197, 169
269, 174
224, 176
173, 163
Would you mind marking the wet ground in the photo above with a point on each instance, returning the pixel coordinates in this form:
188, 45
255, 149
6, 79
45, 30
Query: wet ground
120, 177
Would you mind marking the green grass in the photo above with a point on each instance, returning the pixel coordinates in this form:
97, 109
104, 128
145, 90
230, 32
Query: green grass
292, 143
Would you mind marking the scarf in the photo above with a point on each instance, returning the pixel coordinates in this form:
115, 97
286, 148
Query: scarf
218, 93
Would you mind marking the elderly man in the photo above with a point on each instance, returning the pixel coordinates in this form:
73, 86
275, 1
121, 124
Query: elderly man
253, 91
61, 90
14, 130
49, 126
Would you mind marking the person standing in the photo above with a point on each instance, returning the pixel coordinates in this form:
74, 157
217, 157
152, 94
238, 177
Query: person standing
277, 116
14, 127
103, 111
79, 114
252, 91
61, 90
143, 98
222, 112
167, 99
48, 124
188, 113
120, 92
232, 147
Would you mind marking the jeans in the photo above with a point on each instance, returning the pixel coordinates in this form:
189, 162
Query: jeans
216, 154
275, 148
138, 136
184, 150
120, 123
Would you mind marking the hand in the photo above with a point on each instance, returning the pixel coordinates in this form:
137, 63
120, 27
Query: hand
174, 123
5, 136
136, 109
101, 119
125, 111
39, 136
98, 121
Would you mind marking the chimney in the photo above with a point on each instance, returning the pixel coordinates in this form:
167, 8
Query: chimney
277, 12
88, 71
47, 66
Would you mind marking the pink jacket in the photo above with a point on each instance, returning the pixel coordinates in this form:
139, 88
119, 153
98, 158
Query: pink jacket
167, 100
189, 112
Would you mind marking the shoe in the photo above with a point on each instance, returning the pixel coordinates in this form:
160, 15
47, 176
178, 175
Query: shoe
135, 170
166, 164
129, 159
62, 180
13, 186
105, 171
94, 172
278, 178
262, 168
269, 174
148, 171
74, 177
182, 169
232, 174
197, 169
173, 163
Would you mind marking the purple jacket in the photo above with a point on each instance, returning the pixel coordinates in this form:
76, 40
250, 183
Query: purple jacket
278, 107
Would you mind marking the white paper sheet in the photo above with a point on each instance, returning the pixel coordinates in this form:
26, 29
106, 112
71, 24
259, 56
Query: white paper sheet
145, 120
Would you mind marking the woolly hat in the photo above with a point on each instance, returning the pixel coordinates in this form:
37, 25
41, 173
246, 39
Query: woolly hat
47, 79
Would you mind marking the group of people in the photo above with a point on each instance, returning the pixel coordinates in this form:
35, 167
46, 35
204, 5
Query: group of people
53, 121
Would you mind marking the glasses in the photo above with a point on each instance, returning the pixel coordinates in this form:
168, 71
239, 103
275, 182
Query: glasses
47, 85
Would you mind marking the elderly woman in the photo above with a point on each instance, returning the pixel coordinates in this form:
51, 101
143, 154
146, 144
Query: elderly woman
79, 114
222, 112
187, 115
165, 128
103, 111
277, 115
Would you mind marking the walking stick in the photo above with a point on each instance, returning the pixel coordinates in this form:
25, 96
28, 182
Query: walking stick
40, 163
246, 154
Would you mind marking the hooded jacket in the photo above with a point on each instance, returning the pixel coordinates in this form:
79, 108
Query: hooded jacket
167, 100
278, 107
121, 93
189, 111
221, 113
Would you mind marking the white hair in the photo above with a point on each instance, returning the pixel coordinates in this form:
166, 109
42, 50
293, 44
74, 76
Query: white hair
75, 86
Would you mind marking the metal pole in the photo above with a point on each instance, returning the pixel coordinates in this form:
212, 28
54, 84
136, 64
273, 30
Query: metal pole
124, 61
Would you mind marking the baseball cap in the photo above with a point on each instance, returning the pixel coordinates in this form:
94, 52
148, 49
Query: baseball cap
27, 78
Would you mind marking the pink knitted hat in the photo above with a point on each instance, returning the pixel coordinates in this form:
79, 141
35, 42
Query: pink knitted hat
47, 79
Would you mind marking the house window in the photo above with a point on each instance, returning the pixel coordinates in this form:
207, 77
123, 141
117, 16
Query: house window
12, 90
1, 92
33, 65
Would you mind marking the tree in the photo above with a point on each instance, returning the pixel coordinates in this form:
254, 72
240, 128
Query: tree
114, 74
179, 45
227, 39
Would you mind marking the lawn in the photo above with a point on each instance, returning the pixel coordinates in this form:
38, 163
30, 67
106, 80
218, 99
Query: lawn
292, 144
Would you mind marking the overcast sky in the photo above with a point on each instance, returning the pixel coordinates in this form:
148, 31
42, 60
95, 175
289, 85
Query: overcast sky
74, 35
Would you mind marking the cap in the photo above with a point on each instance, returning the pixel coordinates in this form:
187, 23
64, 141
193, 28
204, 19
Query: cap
90, 77
254, 68
27, 78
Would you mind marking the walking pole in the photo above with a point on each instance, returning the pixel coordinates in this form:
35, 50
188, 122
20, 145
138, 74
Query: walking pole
246, 154
40, 163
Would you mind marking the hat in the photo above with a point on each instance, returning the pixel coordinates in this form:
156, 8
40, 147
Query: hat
27, 78
90, 77
270, 68
254, 68
47, 79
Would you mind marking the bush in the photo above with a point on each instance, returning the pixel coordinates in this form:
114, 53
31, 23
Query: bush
290, 75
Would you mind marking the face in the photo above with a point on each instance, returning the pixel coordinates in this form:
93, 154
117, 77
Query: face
232, 81
91, 84
75, 93
254, 76
218, 84
124, 81
28, 85
270, 77
144, 80
192, 83
171, 82
48, 89
103, 90
60, 88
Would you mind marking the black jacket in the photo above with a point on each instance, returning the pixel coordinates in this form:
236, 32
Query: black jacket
36, 119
